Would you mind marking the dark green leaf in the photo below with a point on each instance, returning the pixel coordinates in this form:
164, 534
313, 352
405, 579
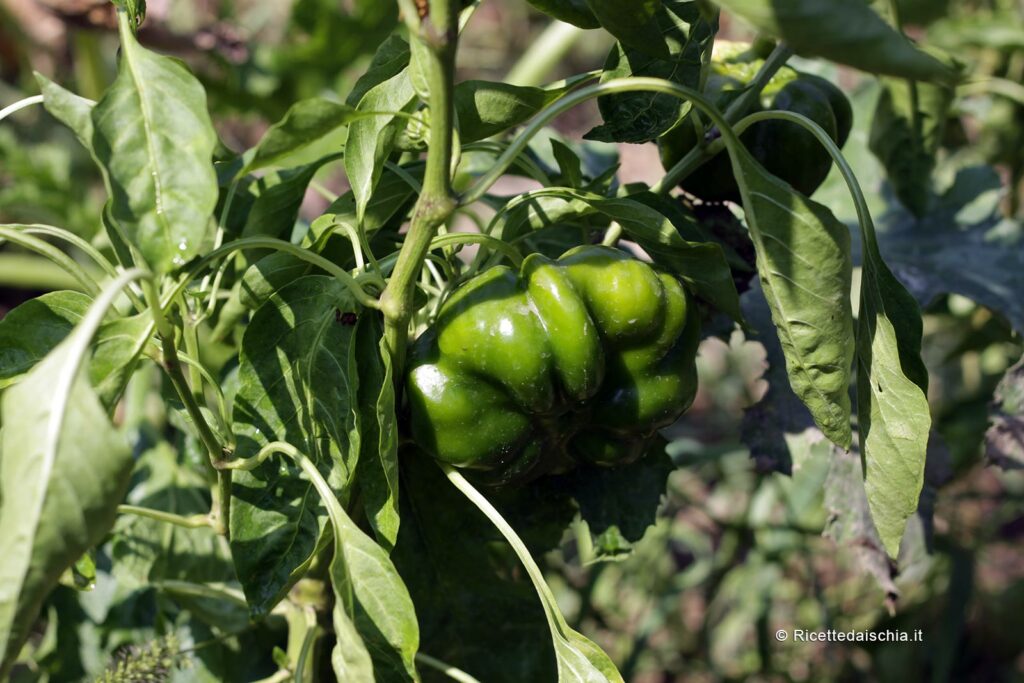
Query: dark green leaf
574, 12
846, 32
389, 60
643, 116
633, 22
905, 142
962, 245
63, 471
444, 554
486, 108
279, 198
378, 460
297, 384
804, 263
155, 141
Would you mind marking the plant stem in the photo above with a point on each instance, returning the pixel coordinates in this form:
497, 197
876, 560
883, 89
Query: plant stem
439, 35
445, 668
171, 364
544, 54
190, 522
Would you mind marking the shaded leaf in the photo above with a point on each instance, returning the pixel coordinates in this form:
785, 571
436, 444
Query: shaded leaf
574, 12
805, 268
298, 384
963, 245
633, 23
643, 116
32, 330
906, 142
846, 32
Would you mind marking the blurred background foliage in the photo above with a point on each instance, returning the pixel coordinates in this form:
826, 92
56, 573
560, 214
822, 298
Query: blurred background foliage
749, 538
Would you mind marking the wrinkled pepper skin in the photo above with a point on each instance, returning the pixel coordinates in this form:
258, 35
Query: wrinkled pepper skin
785, 149
579, 359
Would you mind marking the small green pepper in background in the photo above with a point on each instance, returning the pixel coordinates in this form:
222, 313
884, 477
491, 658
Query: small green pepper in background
785, 149
579, 359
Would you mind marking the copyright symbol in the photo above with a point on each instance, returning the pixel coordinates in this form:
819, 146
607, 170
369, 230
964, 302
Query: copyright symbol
781, 634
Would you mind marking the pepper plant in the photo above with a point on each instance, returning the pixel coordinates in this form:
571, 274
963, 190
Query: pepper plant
375, 422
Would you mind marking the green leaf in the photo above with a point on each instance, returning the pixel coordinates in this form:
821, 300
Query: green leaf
32, 330
446, 552
73, 111
576, 658
574, 12
154, 139
389, 60
850, 33
486, 108
962, 245
371, 140
634, 23
373, 612
279, 196
804, 263
377, 471
892, 403
306, 123
906, 142
297, 383
63, 471
146, 551
637, 117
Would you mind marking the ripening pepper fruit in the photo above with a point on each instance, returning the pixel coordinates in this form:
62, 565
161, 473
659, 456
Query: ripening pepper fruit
785, 149
579, 359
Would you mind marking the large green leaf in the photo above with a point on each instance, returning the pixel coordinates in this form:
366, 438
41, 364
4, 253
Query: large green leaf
298, 384
633, 23
371, 140
306, 123
642, 116
36, 327
63, 471
892, 402
963, 244
842, 31
279, 196
154, 139
805, 267
374, 620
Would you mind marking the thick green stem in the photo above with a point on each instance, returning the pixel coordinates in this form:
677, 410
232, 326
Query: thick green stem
439, 34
